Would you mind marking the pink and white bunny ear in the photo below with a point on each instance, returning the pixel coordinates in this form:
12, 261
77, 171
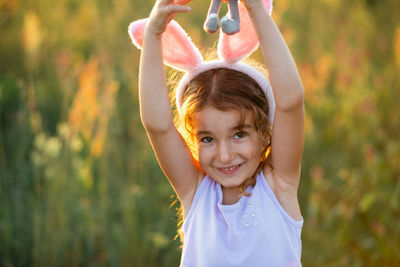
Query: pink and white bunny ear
179, 51
236, 47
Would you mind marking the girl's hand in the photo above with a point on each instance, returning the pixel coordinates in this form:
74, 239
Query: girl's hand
162, 13
181, 2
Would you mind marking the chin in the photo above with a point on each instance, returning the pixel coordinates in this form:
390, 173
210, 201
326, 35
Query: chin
229, 182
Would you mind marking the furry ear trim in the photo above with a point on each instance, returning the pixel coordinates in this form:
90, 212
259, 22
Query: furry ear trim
136, 31
179, 51
236, 47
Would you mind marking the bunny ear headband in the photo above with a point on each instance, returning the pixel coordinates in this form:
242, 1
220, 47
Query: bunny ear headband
180, 53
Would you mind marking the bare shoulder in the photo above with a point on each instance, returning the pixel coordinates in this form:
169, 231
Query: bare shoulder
286, 194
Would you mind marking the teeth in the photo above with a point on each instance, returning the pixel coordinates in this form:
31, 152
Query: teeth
229, 169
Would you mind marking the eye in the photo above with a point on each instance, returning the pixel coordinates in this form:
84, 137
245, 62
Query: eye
207, 139
239, 135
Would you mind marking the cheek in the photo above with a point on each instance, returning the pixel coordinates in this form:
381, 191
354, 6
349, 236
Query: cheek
256, 153
204, 154
256, 149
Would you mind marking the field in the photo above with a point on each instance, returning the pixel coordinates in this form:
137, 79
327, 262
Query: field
80, 186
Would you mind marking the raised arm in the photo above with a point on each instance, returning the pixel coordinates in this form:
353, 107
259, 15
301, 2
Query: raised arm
153, 93
288, 129
172, 153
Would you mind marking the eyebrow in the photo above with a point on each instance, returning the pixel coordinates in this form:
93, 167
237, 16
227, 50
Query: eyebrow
242, 127
238, 127
203, 133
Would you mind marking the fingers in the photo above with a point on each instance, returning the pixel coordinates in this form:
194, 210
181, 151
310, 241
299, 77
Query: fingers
173, 2
178, 8
169, 9
162, 14
182, 2
173, 9
166, 1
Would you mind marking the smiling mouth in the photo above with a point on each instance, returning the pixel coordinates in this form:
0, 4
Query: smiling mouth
230, 170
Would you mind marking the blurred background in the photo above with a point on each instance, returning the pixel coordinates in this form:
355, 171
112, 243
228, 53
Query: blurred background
80, 186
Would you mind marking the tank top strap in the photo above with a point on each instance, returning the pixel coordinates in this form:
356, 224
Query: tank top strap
204, 184
261, 178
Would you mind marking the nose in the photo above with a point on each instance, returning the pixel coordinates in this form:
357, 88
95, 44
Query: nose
224, 152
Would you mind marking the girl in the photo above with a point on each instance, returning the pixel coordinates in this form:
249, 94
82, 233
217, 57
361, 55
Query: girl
235, 175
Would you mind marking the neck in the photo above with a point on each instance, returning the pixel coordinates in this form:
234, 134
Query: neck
231, 195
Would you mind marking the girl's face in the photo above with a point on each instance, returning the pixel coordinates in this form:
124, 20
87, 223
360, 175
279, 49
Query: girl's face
229, 154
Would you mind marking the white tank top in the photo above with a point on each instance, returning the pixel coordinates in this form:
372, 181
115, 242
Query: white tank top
255, 231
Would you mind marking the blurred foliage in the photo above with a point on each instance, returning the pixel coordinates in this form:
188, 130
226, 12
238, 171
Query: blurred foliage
80, 186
